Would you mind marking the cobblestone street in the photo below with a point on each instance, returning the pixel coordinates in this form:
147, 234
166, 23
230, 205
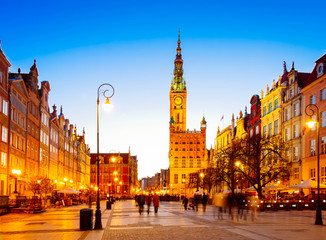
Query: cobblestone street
171, 222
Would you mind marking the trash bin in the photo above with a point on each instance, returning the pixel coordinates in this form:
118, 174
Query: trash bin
108, 204
86, 219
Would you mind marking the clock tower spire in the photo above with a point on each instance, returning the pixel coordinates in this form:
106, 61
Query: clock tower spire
178, 93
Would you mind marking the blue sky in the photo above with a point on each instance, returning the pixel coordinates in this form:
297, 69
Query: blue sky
231, 50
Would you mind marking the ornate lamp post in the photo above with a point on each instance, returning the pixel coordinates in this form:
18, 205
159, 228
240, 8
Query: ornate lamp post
312, 110
108, 93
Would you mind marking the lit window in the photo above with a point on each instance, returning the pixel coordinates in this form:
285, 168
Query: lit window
276, 105
176, 178
3, 159
312, 147
183, 162
323, 175
323, 94
5, 107
176, 163
287, 134
295, 153
4, 136
264, 131
323, 145
312, 173
296, 109
276, 127
323, 119
270, 107
296, 131
270, 129
313, 99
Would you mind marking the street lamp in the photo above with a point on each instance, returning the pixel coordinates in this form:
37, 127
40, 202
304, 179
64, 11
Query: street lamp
202, 176
312, 110
108, 93
65, 179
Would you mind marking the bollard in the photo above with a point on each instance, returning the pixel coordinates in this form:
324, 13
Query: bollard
108, 204
86, 219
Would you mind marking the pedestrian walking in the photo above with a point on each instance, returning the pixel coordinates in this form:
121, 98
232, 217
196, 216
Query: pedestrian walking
204, 201
156, 202
185, 202
197, 198
148, 200
141, 202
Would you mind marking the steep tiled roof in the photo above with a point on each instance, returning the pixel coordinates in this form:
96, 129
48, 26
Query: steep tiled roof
313, 75
302, 79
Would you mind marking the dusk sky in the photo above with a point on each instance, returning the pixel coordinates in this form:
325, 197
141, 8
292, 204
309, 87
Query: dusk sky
231, 50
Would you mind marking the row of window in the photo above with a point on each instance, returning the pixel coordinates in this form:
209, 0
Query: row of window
187, 142
17, 117
44, 138
189, 165
176, 178
322, 146
251, 130
17, 141
270, 129
32, 152
270, 107
322, 96
33, 109
183, 149
295, 132
296, 111
45, 119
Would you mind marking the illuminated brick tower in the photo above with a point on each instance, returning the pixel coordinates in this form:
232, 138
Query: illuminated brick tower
187, 148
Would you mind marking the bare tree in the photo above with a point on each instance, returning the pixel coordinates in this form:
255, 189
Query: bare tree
264, 160
225, 168
210, 177
39, 185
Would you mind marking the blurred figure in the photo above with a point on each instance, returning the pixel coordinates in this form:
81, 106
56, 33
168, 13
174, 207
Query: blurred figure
148, 200
136, 200
230, 204
204, 202
185, 202
215, 204
156, 202
219, 202
141, 202
241, 202
197, 199
252, 204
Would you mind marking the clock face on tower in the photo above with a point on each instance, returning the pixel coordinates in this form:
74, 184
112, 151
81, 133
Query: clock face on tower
178, 100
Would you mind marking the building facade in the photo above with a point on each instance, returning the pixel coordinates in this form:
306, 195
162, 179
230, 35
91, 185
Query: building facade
4, 123
35, 142
314, 92
118, 173
292, 111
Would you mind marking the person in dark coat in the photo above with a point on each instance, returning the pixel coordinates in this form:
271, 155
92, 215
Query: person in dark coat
148, 200
141, 202
185, 202
156, 202
197, 201
204, 202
